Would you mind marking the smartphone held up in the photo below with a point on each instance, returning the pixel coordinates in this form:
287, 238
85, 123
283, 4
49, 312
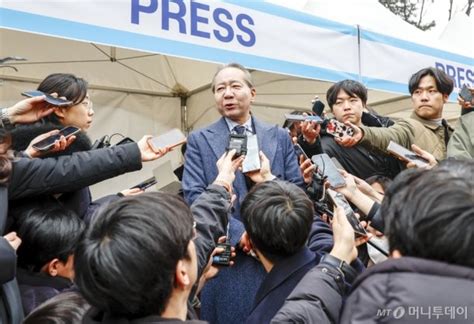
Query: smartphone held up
168, 140
47, 143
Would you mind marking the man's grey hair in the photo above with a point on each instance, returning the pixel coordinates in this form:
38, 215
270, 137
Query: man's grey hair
247, 75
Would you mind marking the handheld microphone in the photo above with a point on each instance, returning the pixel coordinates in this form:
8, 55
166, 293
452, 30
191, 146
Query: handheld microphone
318, 107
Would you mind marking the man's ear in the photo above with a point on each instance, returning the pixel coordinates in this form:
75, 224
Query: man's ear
445, 98
59, 112
246, 243
52, 267
253, 92
182, 279
395, 254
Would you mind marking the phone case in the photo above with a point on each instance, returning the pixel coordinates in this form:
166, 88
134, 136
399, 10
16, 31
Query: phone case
339, 129
466, 94
338, 199
169, 139
406, 155
327, 168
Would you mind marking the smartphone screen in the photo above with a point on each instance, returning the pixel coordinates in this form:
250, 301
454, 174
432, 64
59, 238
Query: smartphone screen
338, 199
294, 117
49, 98
252, 157
49, 141
466, 94
406, 155
169, 139
299, 151
327, 168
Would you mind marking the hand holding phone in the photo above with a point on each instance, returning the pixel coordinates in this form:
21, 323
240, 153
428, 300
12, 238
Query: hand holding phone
167, 141
406, 155
466, 95
338, 199
47, 143
144, 185
301, 118
327, 168
48, 98
338, 129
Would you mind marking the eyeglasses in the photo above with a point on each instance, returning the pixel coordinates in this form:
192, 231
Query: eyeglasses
88, 104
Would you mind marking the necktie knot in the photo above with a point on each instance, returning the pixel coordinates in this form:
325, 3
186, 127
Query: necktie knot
239, 129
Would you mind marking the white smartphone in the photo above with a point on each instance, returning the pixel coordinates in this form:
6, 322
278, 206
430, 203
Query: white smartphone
173, 138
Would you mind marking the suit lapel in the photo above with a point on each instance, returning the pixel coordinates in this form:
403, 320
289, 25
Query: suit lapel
217, 137
267, 138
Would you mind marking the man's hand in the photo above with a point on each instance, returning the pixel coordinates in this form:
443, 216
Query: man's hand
13, 239
211, 271
264, 174
59, 145
307, 169
424, 154
310, 130
227, 166
367, 189
349, 141
344, 242
350, 189
131, 192
147, 152
29, 110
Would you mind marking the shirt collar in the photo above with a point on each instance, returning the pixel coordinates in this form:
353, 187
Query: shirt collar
231, 124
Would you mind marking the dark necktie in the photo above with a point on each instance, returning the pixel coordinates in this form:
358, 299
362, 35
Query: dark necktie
239, 129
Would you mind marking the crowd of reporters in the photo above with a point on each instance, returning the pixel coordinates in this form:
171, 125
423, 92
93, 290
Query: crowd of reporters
138, 257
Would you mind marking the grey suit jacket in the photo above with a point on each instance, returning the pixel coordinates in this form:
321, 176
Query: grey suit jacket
206, 146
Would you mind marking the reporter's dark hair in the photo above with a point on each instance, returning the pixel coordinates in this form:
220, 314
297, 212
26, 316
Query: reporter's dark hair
353, 88
126, 263
65, 85
444, 83
430, 213
65, 308
277, 216
47, 233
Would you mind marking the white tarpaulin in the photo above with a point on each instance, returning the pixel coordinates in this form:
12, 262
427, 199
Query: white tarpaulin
150, 62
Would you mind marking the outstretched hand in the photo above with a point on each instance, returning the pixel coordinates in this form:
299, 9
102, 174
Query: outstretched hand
349, 141
424, 154
227, 166
265, 172
147, 153
59, 145
29, 110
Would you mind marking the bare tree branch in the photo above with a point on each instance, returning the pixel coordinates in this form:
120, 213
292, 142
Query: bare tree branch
450, 9
469, 7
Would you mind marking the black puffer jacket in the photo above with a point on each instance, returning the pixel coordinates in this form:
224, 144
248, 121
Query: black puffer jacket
395, 291
406, 290
79, 201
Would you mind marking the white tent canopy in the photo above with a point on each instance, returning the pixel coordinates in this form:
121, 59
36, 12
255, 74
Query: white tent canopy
147, 79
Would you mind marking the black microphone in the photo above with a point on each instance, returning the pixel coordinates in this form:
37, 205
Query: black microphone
318, 107
100, 143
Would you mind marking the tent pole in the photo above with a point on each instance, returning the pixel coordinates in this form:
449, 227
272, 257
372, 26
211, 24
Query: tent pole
359, 60
184, 114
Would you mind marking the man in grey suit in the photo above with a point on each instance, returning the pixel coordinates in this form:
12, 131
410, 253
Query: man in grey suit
229, 298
